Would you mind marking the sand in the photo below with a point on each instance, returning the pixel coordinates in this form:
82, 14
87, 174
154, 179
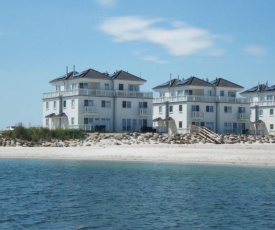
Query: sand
237, 154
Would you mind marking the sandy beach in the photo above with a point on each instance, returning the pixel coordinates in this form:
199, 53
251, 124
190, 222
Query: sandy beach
237, 154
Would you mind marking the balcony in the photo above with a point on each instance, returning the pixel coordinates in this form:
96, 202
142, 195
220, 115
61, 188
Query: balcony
262, 103
243, 116
98, 93
89, 110
197, 115
197, 98
145, 112
136, 94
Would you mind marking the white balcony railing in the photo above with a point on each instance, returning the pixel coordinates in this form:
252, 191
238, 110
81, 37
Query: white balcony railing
198, 115
89, 110
98, 93
201, 99
137, 94
145, 112
243, 116
262, 103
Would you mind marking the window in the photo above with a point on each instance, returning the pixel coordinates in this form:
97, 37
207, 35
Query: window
73, 86
241, 109
126, 104
209, 125
72, 103
64, 104
133, 88
271, 126
126, 124
161, 94
72, 120
171, 108
88, 121
47, 121
209, 109
180, 92
106, 86
188, 92
261, 112
120, 87
105, 104
231, 94
47, 105
222, 93
143, 105
271, 112
160, 109
88, 103
83, 85
54, 105
269, 97
195, 108
209, 92
180, 124
57, 87
180, 108
227, 109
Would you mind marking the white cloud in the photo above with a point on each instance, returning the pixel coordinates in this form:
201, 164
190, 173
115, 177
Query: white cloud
155, 59
180, 39
255, 50
106, 3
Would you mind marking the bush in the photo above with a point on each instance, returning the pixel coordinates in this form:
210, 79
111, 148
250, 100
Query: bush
37, 134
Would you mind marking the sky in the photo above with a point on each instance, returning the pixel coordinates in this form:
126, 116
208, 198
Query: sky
152, 39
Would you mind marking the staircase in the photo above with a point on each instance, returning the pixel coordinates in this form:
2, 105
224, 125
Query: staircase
208, 134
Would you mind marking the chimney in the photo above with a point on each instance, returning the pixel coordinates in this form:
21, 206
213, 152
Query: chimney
73, 70
66, 71
170, 79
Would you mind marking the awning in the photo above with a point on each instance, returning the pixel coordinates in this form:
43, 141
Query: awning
61, 115
258, 122
169, 119
158, 119
50, 115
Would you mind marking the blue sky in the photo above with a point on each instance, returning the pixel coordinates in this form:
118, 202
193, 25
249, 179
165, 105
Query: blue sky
149, 38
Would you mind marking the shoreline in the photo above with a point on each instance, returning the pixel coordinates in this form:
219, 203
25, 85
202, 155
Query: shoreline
237, 154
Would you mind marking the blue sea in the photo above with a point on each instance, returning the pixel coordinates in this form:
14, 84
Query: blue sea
67, 194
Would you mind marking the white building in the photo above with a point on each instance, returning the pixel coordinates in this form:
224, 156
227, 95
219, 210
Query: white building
193, 101
95, 101
262, 108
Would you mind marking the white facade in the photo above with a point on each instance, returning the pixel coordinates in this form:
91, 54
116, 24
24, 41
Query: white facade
95, 101
262, 108
182, 103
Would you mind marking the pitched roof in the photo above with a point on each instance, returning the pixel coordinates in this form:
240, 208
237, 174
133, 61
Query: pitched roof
190, 81
260, 88
122, 75
89, 73
220, 82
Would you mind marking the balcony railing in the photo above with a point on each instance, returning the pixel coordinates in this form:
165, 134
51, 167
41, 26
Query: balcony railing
137, 94
145, 112
197, 115
262, 103
243, 116
89, 110
98, 93
201, 99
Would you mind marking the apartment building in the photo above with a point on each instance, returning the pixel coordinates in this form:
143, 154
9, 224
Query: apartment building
193, 101
95, 101
262, 108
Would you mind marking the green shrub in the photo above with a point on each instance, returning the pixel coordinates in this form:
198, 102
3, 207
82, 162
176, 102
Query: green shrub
37, 134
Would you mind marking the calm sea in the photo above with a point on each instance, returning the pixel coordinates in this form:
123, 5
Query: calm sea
56, 194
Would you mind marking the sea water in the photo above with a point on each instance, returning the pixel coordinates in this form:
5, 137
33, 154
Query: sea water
67, 194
